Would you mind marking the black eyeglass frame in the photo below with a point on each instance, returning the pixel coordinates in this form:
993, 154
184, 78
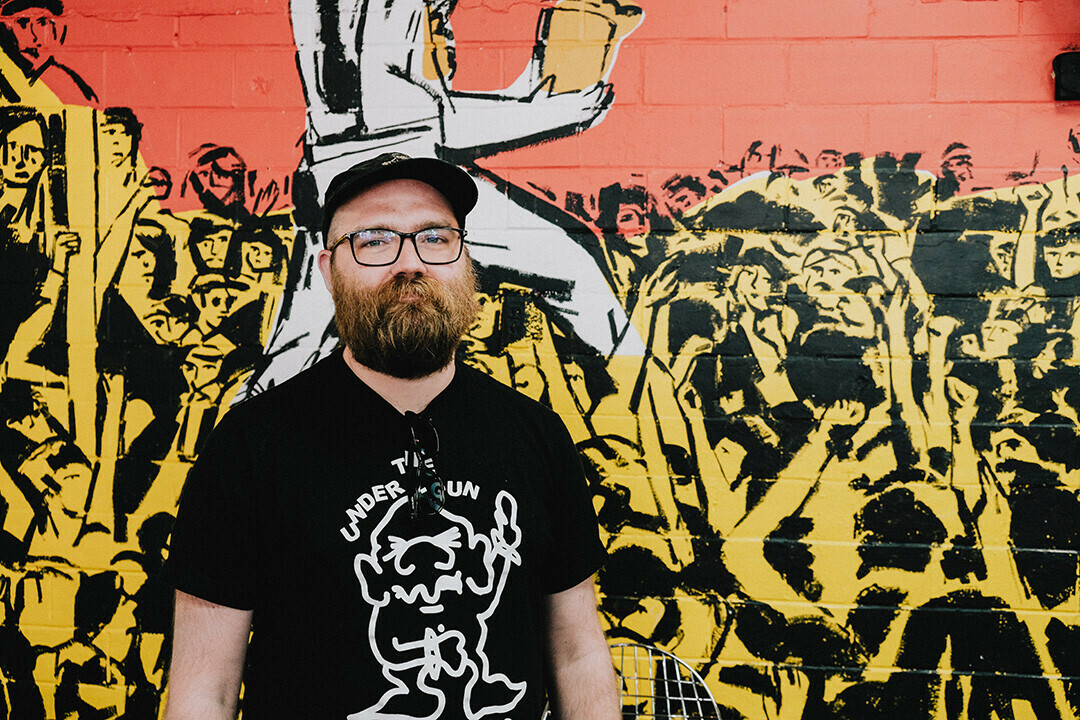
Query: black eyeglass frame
428, 493
401, 236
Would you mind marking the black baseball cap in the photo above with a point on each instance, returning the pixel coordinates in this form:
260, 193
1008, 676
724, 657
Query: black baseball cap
455, 184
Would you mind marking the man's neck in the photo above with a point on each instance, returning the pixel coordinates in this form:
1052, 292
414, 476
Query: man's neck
404, 394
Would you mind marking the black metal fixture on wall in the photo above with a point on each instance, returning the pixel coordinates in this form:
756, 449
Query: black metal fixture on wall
1067, 76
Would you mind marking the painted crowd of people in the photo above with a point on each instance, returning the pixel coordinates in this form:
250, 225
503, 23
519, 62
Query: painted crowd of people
853, 434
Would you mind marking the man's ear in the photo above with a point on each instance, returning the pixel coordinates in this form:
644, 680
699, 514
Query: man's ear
325, 260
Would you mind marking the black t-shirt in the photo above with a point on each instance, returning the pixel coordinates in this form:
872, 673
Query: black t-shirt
298, 510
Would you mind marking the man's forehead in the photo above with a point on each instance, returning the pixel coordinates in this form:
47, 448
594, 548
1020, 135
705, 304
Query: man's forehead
411, 186
393, 196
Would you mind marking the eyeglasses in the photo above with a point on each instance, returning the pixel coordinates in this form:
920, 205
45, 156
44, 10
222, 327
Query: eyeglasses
376, 247
428, 496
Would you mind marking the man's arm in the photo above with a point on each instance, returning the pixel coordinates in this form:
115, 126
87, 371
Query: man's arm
209, 644
584, 677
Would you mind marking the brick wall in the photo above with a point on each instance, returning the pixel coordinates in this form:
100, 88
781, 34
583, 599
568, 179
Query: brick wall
825, 385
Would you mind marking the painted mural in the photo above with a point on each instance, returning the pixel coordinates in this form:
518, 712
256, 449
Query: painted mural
827, 401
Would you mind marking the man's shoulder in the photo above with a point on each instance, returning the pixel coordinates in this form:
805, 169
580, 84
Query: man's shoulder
484, 389
303, 393
480, 382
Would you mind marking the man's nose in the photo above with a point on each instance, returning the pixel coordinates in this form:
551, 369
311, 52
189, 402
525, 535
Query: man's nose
409, 261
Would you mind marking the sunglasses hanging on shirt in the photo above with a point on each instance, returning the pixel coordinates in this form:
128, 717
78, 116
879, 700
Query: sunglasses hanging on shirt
428, 494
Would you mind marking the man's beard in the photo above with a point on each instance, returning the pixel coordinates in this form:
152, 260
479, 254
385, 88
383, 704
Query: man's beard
401, 336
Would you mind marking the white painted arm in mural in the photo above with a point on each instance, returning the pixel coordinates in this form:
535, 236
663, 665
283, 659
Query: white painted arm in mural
530, 109
582, 671
209, 645
484, 123
419, 78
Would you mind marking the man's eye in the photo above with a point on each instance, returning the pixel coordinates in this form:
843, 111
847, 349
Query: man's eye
431, 238
372, 239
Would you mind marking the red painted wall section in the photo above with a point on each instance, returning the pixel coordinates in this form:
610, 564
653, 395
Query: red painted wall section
858, 76
695, 85
195, 72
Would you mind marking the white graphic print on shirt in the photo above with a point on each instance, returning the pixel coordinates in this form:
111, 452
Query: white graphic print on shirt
457, 573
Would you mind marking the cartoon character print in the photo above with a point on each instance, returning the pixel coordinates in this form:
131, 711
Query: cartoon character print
454, 572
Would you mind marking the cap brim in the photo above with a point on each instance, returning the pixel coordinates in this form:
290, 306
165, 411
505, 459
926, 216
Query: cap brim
453, 183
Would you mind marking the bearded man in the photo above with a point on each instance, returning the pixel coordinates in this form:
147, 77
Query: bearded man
403, 536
